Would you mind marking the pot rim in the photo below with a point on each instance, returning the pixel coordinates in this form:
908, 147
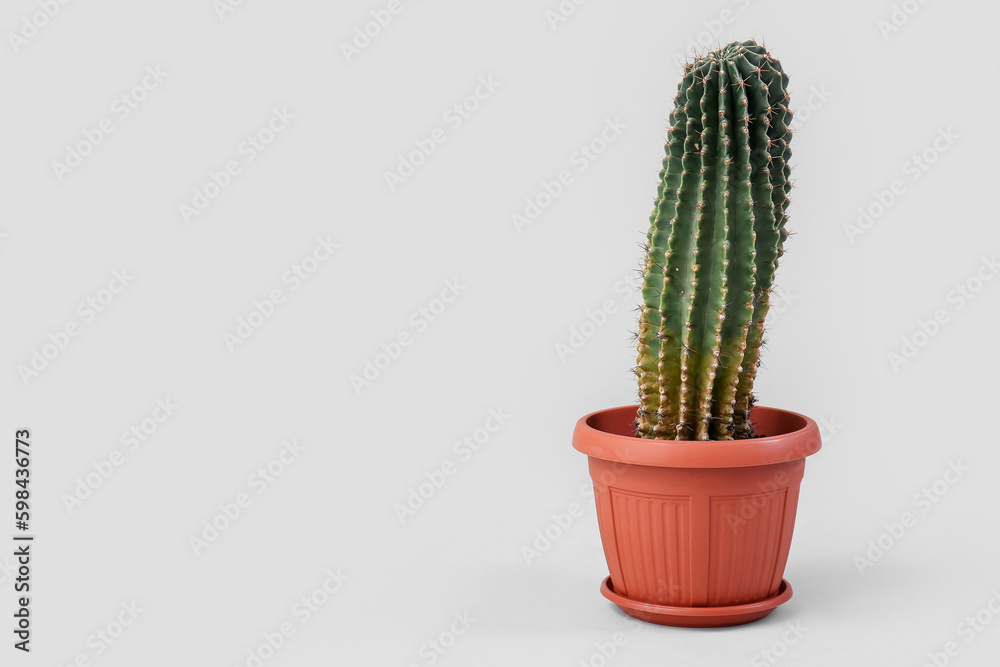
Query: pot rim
604, 435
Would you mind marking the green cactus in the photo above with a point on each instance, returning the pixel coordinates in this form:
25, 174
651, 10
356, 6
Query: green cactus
716, 234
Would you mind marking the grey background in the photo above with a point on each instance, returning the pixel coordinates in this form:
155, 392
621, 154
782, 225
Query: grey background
870, 98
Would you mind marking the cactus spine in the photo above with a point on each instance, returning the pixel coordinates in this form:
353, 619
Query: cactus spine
716, 234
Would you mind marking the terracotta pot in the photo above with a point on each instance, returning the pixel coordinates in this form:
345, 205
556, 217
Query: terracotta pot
696, 534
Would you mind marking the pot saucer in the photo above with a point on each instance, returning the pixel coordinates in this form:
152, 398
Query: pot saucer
696, 617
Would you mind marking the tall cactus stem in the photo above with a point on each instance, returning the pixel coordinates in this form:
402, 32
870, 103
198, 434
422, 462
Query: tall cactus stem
716, 234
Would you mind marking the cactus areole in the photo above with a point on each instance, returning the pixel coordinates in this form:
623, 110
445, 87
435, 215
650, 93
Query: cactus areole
716, 235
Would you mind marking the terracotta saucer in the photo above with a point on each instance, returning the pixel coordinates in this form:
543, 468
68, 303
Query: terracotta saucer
697, 617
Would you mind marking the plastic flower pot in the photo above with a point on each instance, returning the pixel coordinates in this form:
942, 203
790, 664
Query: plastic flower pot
696, 533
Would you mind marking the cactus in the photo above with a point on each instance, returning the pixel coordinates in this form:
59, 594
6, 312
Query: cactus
716, 233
